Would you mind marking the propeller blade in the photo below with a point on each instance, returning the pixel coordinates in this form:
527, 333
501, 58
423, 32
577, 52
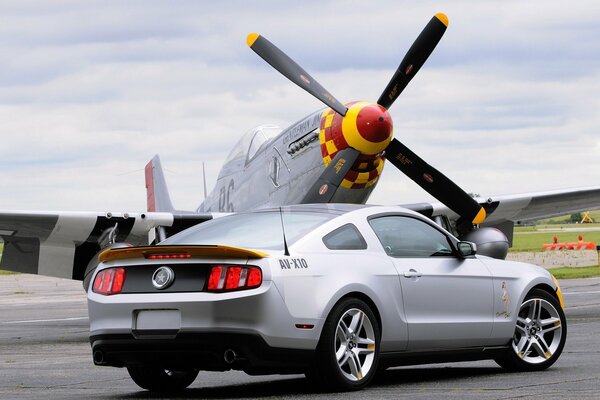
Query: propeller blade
291, 70
434, 182
324, 188
414, 59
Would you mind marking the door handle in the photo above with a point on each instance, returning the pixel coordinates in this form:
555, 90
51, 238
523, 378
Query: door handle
412, 273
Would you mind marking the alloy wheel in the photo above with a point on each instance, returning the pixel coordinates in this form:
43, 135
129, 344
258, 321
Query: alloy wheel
539, 331
355, 344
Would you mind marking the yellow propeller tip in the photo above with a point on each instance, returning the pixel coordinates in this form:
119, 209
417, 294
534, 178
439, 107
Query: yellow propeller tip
443, 18
480, 217
251, 38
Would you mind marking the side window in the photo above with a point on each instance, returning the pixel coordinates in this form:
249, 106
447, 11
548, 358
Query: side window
346, 237
409, 237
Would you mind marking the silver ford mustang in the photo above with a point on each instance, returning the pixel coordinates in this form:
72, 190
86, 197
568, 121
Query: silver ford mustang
336, 292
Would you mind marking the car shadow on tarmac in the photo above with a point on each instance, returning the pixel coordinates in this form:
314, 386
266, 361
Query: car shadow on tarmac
300, 386
418, 375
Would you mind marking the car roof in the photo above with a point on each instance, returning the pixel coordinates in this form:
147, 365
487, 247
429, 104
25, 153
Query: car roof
340, 210
332, 208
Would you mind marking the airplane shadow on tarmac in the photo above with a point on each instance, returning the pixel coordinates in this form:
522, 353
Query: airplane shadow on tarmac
300, 386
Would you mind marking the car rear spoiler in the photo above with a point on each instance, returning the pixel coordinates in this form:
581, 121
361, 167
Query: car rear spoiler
179, 252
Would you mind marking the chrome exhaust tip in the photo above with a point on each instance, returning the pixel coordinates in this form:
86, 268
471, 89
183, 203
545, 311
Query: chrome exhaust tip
230, 356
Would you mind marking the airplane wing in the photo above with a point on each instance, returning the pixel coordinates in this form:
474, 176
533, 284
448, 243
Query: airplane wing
61, 244
532, 206
504, 211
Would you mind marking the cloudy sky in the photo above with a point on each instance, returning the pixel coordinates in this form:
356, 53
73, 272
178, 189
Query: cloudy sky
508, 103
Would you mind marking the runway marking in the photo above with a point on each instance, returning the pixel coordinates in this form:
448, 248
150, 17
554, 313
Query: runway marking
574, 293
29, 321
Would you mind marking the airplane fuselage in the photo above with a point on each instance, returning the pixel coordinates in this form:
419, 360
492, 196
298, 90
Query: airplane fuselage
280, 170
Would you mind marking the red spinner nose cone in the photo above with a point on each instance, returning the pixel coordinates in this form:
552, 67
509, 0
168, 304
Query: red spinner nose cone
367, 127
374, 123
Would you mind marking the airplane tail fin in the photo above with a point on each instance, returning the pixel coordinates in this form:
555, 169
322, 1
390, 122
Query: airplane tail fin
157, 194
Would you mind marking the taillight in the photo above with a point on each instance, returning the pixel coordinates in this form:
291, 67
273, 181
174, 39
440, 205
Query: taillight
254, 277
214, 279
232, 279
109, 281
223, 278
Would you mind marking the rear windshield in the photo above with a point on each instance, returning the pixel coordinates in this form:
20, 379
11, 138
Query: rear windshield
258, 230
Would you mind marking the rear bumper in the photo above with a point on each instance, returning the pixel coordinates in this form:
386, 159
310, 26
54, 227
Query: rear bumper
204, 351
260, 311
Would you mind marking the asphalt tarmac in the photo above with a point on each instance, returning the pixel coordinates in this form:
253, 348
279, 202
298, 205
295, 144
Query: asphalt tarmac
45, 353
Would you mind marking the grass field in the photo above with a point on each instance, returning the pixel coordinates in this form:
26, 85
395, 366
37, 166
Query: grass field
572, 273
3, 272
558, 227
531, 238
528, 239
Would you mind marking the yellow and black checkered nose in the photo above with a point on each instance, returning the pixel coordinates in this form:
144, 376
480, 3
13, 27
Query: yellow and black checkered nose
366, 127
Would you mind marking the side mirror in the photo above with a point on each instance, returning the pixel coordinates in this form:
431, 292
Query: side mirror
466, 249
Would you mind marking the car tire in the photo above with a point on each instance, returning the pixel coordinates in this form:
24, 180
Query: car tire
540, 334
158, 379
348, 352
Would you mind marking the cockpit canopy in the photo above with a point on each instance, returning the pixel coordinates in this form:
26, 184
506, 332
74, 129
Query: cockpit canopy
248, 147
252, 141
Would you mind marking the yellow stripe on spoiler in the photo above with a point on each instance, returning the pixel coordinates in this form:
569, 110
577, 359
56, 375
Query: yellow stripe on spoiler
193, 251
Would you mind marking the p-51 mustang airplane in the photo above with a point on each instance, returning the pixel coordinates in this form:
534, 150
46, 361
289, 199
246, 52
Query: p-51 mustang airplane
333, 155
